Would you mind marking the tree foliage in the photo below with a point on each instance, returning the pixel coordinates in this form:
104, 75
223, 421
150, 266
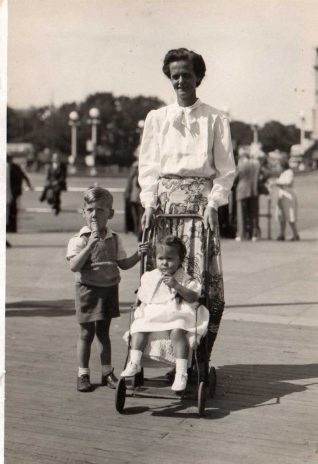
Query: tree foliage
118, 134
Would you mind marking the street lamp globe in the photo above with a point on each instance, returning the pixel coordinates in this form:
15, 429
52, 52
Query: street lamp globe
141, 124
73, 116
94, 113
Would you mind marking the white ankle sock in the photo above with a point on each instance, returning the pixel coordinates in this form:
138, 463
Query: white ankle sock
106, 369
182, 365
83, 371
135, 356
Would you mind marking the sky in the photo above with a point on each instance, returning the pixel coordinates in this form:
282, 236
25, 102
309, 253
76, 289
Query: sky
259, 53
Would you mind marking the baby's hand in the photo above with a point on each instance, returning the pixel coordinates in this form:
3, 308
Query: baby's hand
169, 280
143, 248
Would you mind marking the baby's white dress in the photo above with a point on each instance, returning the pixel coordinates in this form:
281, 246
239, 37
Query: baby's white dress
160, 311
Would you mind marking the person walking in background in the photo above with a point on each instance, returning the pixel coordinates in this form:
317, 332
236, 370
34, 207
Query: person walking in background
55, 183
287, 202
8, 198
133, 207
247, 197
16, 178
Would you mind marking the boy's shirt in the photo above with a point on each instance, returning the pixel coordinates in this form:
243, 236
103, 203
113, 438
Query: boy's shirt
108, 249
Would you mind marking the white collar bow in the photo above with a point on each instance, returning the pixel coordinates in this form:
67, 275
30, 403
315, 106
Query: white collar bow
183, 115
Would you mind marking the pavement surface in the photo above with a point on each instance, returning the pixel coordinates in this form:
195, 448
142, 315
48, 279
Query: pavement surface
265, 409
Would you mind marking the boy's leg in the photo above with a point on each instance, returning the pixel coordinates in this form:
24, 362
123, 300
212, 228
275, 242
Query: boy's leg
104, 350
181, 352
86, 337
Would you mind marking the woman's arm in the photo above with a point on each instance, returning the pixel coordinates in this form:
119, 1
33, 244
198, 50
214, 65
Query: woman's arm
224, 163
149, 163
225, 170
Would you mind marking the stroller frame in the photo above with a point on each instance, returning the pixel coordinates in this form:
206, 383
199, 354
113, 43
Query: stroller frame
206, 377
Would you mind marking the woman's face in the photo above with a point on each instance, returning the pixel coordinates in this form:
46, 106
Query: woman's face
184, 81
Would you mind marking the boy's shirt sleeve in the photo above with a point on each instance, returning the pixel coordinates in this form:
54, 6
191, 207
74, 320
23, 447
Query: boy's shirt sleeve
75, 245
121, 252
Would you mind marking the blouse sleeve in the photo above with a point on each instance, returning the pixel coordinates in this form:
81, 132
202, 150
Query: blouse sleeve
223, 162
149, 162
286, 178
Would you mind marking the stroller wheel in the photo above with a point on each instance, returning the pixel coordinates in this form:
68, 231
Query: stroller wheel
138, 379
201, 398
120, 395
212, 381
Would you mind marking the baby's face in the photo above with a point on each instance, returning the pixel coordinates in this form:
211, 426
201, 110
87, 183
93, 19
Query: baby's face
98, 212
167, 259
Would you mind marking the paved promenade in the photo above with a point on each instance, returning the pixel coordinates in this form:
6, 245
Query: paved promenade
266, 405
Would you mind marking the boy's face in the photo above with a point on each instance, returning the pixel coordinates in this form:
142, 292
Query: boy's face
167, 259
99, 212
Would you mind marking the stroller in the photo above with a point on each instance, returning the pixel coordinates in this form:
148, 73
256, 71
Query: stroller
202, 377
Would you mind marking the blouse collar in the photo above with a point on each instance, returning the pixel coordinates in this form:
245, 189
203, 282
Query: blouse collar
183, 115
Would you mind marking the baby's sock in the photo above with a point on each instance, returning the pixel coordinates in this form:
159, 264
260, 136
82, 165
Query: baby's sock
106, 369
182, 365
83, 371
135, 356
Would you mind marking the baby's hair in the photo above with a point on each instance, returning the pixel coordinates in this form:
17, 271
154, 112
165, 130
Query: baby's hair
98, 193
173, 242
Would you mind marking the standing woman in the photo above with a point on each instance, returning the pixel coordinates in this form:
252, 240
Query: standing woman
186, 165
287, 202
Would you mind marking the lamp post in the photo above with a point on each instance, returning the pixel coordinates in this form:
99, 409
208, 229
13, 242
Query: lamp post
73, 122
302, 128
94, 121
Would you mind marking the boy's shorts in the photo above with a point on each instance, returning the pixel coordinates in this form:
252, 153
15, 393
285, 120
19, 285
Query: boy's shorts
96, 303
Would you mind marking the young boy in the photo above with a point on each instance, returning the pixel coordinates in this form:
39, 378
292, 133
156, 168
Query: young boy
95, 254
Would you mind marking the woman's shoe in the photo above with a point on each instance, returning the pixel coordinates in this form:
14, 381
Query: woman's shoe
131, 370
294, 239
280, 238
180, 381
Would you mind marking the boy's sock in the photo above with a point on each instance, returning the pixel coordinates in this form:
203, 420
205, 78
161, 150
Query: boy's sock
83, 371
135, 356
106, 369
182, 365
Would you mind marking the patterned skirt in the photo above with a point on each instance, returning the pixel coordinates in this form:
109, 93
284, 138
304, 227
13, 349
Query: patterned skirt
189, 195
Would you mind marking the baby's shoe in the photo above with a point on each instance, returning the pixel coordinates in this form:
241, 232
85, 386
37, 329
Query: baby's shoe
180, 381
131, 369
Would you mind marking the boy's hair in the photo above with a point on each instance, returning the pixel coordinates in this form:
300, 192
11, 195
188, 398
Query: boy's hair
173, 242
98, 193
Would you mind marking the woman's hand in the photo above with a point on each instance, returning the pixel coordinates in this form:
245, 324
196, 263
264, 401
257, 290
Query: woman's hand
210, 217
146, 219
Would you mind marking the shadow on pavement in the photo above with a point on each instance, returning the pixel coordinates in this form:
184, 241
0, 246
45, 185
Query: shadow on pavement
244, 386
48, 308
255, 305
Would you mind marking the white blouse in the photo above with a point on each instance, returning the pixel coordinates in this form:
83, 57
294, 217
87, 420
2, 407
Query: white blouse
186, 141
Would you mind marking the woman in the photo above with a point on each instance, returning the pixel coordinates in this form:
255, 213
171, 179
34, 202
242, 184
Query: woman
287, 202
186, 165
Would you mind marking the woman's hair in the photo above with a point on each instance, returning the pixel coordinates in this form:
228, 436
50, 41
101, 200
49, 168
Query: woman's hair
98, 193
173, 242
179, 54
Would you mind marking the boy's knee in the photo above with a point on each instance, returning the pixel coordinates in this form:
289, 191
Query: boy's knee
87, 333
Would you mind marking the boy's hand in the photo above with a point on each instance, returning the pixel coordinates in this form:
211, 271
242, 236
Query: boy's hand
93, 239
143, 248
169, 280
